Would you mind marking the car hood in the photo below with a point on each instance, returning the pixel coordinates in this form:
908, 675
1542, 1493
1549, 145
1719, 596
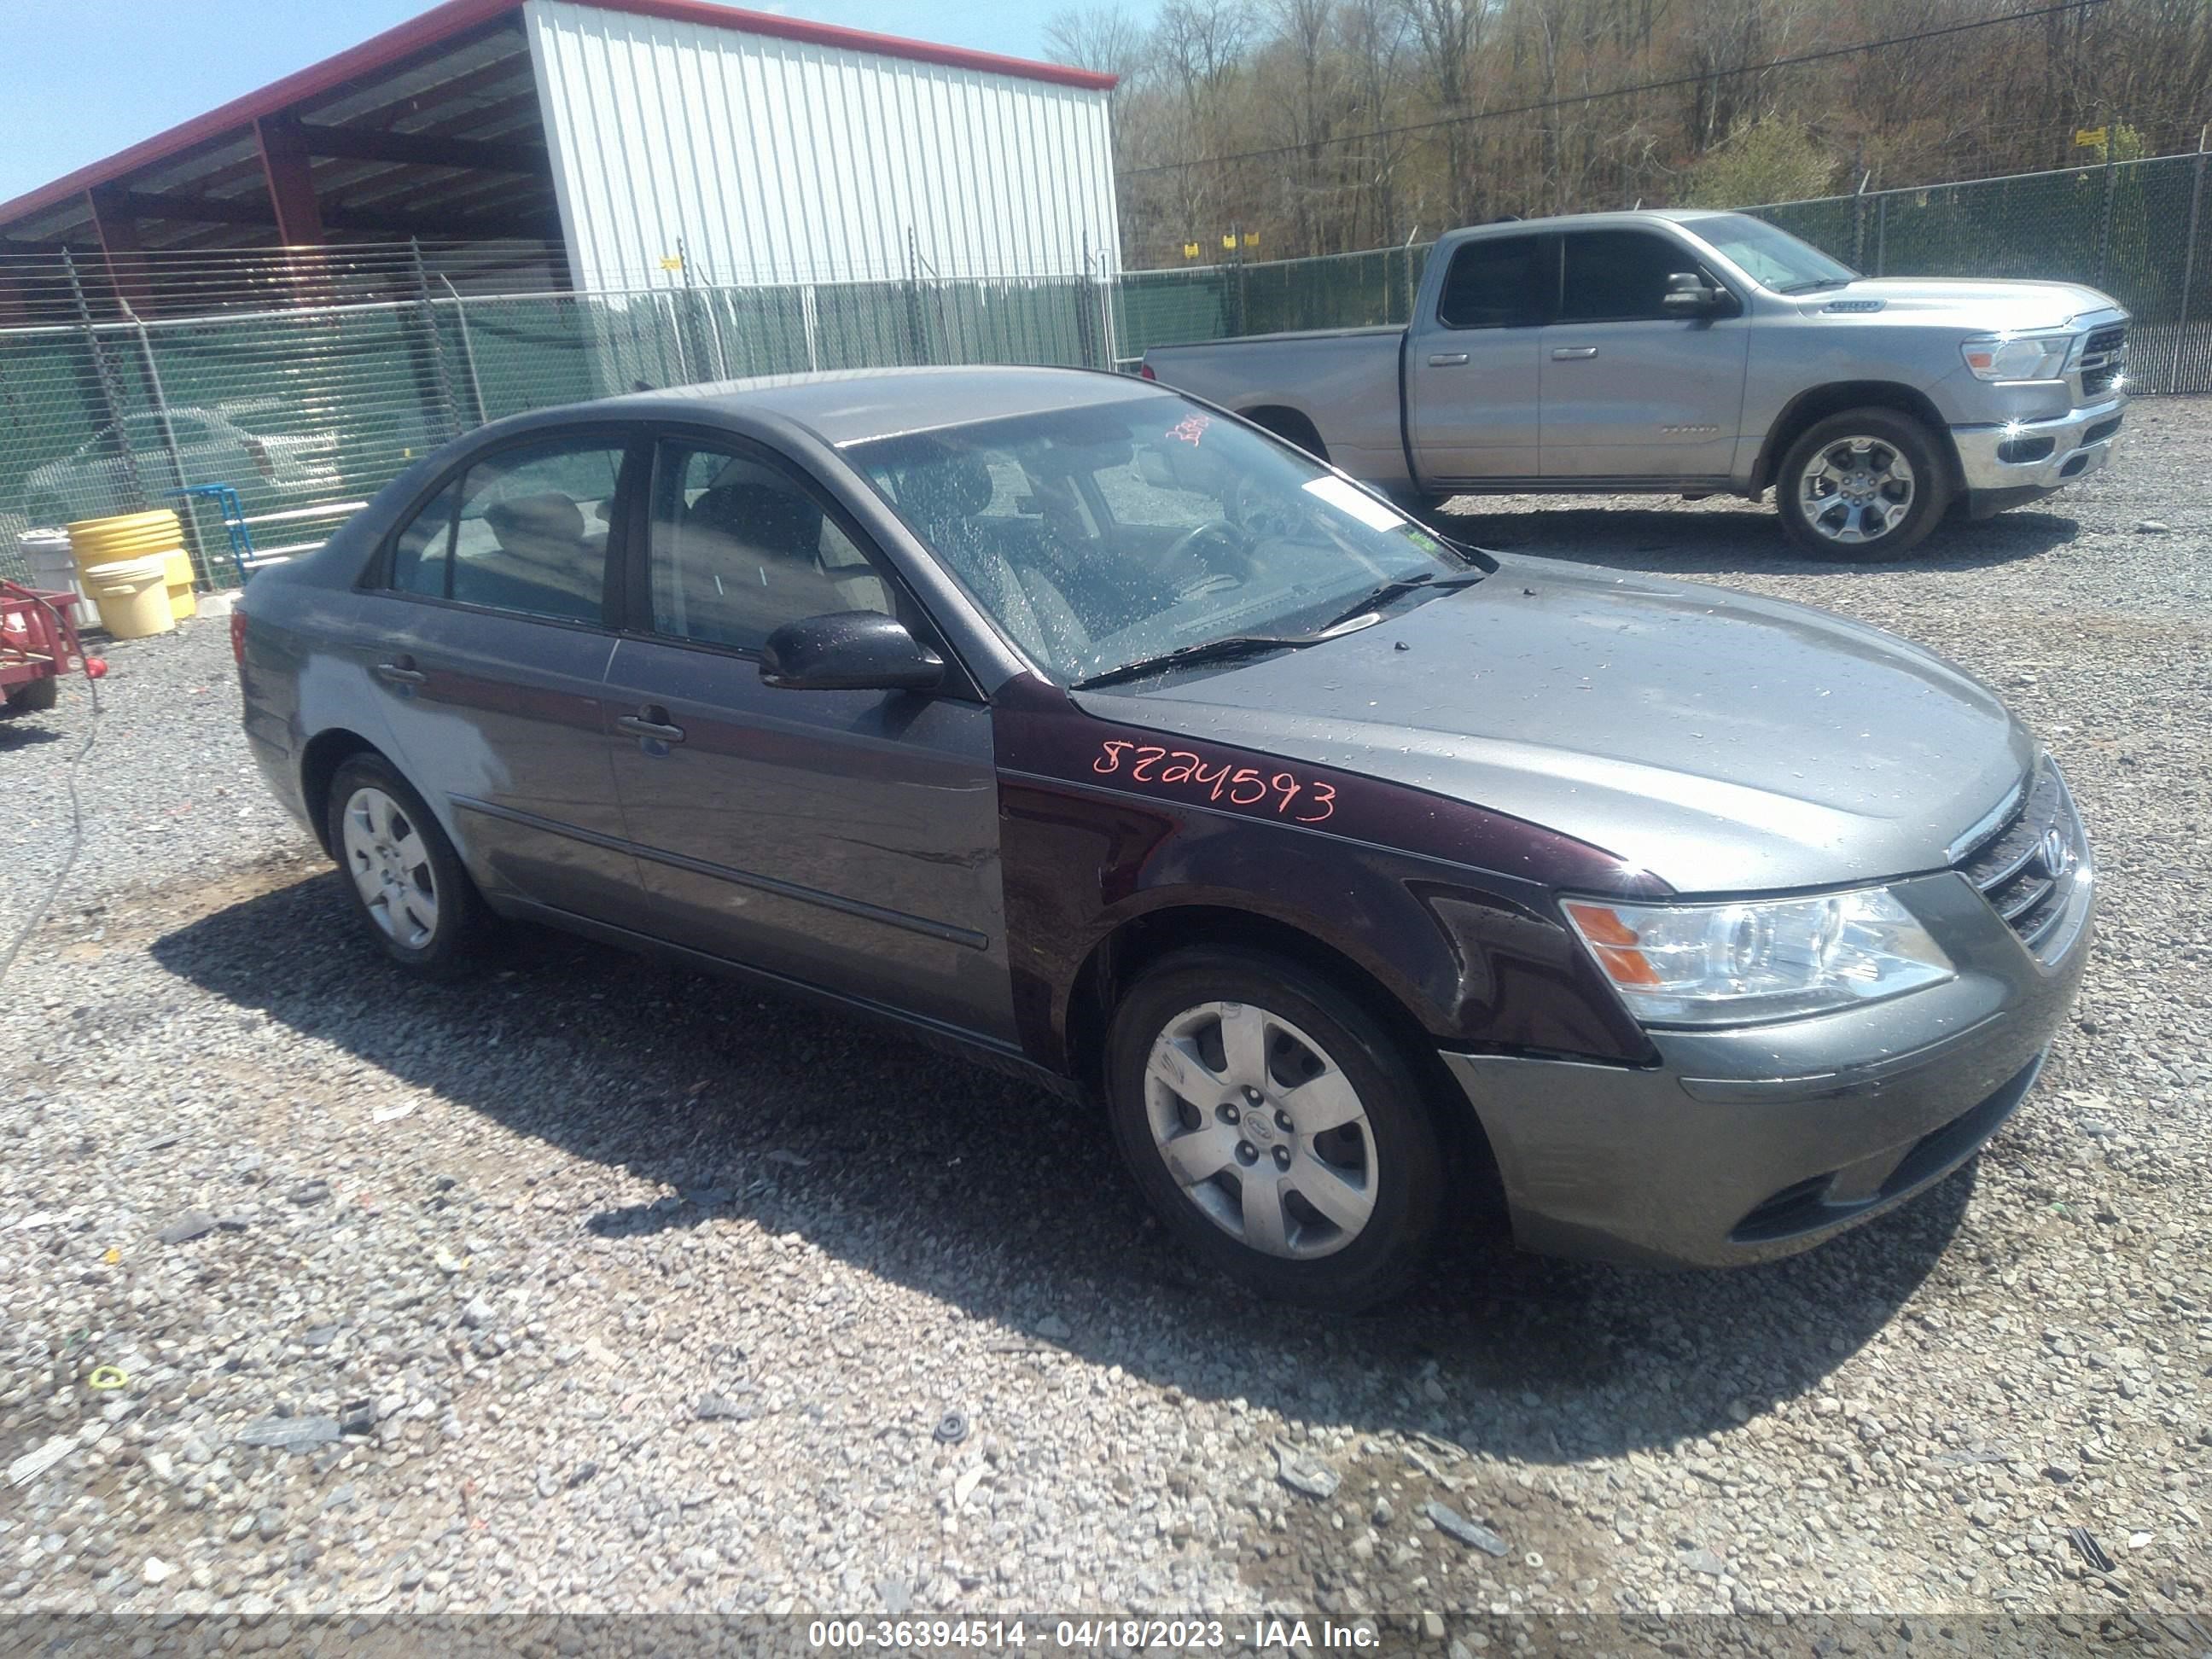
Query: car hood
1723, 742
1976, 307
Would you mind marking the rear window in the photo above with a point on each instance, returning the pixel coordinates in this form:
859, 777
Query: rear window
1496, 282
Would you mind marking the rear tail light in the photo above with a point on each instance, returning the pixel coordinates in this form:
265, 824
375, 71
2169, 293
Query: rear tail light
1145, 371
238, 636
259, 452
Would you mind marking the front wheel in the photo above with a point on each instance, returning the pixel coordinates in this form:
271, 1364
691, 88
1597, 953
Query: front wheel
1276, 1128
405, 880
1869, 483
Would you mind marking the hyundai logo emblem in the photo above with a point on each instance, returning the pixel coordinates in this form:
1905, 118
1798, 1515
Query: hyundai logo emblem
2058, 857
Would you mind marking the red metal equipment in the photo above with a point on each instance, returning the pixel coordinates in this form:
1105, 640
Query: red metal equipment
38, 645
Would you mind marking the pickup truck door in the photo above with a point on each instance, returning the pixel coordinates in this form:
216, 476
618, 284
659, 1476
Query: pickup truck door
1473, 373
1628, 390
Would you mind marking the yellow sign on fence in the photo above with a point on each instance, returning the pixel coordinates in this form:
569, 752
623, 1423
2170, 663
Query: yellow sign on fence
1190, 250
2091, 137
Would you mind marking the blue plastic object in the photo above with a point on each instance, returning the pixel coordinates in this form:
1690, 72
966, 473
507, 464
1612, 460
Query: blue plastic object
233, 522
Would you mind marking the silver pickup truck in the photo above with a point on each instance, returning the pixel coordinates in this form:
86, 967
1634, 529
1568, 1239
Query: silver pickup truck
1695, 353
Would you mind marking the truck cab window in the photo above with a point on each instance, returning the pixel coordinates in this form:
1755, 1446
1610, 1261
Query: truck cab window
1496, 282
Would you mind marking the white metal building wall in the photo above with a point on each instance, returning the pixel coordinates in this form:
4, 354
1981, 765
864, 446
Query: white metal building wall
757, 159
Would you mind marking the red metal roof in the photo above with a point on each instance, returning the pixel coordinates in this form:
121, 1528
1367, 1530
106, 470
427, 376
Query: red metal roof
455, 17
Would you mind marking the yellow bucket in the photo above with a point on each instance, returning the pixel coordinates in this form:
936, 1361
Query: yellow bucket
133, 597
177, 577
96, 541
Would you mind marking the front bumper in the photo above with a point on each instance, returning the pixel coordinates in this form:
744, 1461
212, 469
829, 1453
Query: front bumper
2016, 458
1743, 1145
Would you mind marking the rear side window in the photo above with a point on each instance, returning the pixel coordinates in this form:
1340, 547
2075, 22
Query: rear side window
1496, 282
421, 554
1618, 275
530, 535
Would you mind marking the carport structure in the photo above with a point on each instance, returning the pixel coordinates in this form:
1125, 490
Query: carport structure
514, 133
428, 130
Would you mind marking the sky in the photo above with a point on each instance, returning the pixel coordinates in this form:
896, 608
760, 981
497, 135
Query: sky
88, 77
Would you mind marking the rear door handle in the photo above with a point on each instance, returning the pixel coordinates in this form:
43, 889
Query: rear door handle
1569, 354
651, 721
1446, 359
402, 673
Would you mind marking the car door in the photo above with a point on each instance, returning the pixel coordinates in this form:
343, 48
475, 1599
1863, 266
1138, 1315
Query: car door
848, 840
1473, 379
1630, 391
485, 634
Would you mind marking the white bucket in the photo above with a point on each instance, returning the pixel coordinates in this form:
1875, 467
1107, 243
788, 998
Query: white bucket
52, 566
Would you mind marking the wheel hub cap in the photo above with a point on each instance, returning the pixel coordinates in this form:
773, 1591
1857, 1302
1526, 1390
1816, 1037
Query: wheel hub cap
1857, 490
390, 864
1261, 1129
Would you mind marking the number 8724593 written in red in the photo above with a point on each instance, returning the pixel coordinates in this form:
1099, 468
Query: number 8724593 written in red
1239, 785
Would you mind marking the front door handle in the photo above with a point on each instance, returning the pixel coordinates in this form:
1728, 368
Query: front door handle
1571, 354
1446, 359
651, 721
402, 673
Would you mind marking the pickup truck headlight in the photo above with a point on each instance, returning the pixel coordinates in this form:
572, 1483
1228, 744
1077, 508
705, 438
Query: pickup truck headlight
1765, 959
2018, 356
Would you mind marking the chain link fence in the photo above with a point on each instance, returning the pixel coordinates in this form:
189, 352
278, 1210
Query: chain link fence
305, 410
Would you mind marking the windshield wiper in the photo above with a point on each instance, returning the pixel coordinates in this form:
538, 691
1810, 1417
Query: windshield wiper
1391, 590
1220, 650
1816, 284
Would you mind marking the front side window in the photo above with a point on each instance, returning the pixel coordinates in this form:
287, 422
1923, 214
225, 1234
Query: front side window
737, 550
1140, 528
1620, 275
1496, 282
530, 534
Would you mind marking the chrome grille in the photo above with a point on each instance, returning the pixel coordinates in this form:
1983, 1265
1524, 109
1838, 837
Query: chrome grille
2104, 357
2027, 866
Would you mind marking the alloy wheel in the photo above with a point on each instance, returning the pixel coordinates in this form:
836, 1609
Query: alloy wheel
1261, 1129
1857, 489
390, 864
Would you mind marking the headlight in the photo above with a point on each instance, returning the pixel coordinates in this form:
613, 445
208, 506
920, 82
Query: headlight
2018, 356
1733, 964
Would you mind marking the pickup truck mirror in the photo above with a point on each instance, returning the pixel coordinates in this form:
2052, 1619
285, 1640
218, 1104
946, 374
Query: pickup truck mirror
1687, 295
848, 651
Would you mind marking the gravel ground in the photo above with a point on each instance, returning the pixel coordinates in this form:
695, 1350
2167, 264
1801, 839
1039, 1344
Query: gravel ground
594, 1285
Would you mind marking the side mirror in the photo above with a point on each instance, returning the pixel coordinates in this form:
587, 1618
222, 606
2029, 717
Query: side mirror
1687, 295
848, 651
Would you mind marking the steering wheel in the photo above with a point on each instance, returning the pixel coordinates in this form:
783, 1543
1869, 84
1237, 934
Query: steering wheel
1233, 538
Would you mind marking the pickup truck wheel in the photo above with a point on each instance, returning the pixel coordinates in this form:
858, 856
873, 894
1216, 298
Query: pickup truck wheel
1869, 483
1275, 1127
402, 873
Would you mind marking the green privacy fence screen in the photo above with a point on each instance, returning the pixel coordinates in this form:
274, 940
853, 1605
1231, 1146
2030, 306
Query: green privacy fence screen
306, 410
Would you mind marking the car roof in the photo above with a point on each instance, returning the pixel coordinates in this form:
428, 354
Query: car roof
1622, 218
853, 406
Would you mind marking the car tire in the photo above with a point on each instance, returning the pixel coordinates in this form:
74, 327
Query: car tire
1847, 468
402, 877
1193, 1145
35, 696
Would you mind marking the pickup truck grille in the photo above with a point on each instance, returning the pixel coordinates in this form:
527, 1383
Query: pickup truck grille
2104, 355
2027, 866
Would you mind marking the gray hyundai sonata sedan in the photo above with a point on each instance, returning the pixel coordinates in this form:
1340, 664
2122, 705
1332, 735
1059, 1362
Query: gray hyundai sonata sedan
1370, 883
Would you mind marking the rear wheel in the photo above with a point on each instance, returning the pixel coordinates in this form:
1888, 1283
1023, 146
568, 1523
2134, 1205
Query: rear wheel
1869, 483
1276, 1128
405, 878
